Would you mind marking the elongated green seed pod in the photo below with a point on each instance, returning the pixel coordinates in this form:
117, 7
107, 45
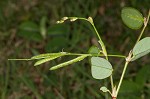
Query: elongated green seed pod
48, 55
69, 62
45, 60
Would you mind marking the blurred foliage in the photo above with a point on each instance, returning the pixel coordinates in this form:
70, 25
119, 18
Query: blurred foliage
27, 28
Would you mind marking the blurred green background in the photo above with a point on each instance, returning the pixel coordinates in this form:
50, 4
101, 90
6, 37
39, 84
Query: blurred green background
28, 27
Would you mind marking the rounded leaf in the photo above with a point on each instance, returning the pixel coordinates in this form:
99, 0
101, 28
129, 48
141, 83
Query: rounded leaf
104, 89
141, 48
132, 17
94, 50
101, 68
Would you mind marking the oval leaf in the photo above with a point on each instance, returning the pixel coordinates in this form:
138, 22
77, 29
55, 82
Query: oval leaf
104, 89
94, 51
141, 48
68, 62
101, 68
132, 17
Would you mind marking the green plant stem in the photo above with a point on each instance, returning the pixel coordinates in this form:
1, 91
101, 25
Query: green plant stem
100, 40
104, 51
127, 62
111, 78
93, 27
90, 20
122, 76
96, 32
111, 81
75, 54
120, 56
145, 25
22, 59
101, 43
103, 48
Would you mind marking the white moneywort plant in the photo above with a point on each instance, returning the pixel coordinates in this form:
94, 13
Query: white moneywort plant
101, 68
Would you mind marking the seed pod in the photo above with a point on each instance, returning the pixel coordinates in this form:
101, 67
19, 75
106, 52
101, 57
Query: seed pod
69, 62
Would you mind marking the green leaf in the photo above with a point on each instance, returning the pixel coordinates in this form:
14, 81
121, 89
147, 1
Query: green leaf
49, 55
45, 60
104, 89
56, 44
68, 62
132, 17
142, 76
101, 68
58, 29
141, 48
30, 30
94, 51
129, 87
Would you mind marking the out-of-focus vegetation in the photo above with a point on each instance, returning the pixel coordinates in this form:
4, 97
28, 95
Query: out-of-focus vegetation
27, 28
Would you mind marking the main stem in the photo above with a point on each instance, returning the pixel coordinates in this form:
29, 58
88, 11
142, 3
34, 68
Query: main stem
102, 45
122, 76
104, 52
130, 54
90, 20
